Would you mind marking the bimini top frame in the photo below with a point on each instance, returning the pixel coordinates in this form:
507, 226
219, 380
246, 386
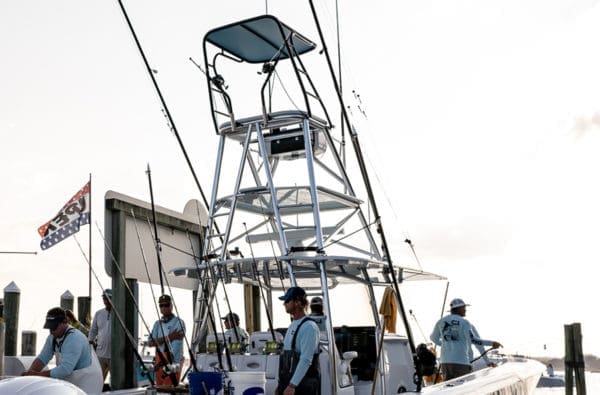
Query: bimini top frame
266, 40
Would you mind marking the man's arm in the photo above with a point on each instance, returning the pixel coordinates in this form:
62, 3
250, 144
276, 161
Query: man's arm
41, 360
71, 351
93, 329
308, 340
36, 369
436, 335
480, 343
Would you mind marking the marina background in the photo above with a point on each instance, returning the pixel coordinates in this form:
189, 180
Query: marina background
480, 120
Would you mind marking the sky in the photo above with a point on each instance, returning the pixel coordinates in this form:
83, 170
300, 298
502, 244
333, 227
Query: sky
480, 122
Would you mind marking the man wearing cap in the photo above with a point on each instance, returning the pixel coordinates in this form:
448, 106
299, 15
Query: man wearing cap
235, 334
316, 312
100, 332
167, 334
455, 335
299, 371
76, 361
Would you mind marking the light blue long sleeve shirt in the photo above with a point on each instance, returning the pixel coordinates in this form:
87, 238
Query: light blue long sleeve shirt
455, 335
75, 353
175, 324
307, 344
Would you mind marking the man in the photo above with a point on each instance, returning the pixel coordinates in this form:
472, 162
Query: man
299, 371
235, 334
455, 335
76, 362
100, 332
167, 334
316, 312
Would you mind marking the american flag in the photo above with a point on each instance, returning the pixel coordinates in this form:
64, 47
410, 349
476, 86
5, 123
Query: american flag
68, 220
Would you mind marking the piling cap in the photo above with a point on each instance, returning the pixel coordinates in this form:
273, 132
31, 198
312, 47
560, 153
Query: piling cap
54, 317
12, 288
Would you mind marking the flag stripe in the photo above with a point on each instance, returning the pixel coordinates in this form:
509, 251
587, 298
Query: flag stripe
74, 214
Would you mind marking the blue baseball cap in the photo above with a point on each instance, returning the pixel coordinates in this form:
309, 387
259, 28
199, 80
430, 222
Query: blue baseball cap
231, 317
293, 293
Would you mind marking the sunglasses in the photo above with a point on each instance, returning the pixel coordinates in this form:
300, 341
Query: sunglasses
165, 305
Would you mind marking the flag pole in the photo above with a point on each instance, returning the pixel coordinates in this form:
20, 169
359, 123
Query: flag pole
90, 247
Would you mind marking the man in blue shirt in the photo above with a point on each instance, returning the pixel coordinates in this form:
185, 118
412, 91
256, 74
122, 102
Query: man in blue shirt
456, 335
299, 371
167, 334
75, 360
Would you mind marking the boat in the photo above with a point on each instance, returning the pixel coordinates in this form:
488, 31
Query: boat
290, 208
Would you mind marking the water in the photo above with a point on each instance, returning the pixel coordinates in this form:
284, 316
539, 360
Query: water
592, 385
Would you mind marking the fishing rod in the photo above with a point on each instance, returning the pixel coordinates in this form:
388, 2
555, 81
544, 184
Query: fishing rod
168, 361
181, 324
156, 239
278, 263
132, 341
163, 103
371, 196
212, 321
482, 354
418, 325
409, 242
165, 363
255, 270
211, 318
122, 275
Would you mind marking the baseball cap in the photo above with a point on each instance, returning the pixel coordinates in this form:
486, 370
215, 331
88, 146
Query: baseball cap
107, 292
455, 303
293, 293
231, 317
316, 301
164, 299
54, 317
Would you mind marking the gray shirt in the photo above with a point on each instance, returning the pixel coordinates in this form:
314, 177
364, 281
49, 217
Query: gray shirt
100, 332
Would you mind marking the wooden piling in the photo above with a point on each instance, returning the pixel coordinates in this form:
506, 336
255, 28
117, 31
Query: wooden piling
2, 330
66, 300
12, 296
574, 361
28, 343
83, 310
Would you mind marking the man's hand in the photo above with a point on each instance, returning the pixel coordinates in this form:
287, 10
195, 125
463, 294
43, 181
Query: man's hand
496, 345
289, 390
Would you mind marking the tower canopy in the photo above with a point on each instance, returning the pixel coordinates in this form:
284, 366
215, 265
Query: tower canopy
260, 39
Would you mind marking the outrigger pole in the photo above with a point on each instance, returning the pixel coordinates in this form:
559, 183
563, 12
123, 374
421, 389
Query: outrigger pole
363, 170
156, 239
164, 104
169, 360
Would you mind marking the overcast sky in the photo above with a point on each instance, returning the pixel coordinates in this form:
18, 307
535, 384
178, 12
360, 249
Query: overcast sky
482, 127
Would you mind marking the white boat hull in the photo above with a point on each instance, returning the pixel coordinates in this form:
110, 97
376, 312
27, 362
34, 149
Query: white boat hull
514, 376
